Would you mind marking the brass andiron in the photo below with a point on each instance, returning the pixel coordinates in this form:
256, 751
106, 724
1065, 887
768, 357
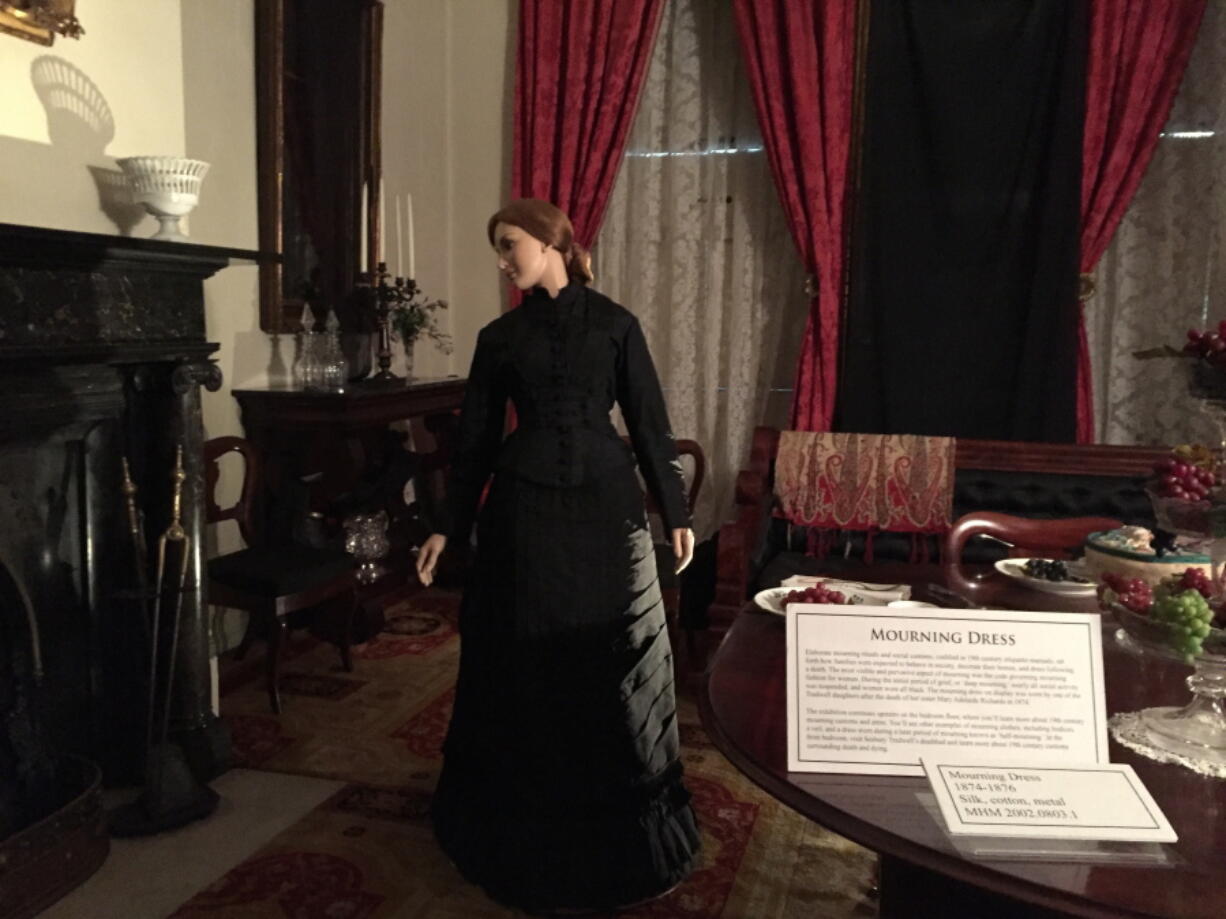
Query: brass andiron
381, 298
171, 796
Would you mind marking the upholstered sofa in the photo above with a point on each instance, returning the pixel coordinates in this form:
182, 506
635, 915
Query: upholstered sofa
757, 549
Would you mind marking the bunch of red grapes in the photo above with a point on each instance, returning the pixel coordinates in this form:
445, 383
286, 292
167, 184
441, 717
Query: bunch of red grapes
1208, 345
819, 593
1195, 579
1177, 479
1132, 593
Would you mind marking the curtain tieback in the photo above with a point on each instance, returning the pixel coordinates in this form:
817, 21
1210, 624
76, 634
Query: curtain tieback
1086, 286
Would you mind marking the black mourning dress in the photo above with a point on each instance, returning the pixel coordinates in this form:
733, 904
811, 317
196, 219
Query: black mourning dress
561, 785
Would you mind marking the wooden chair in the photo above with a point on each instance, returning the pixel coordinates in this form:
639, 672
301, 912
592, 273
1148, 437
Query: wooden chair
1049, 538
270, 582
666, 561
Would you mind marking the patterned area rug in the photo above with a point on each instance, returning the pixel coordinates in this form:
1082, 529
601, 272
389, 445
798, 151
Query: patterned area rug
368, 852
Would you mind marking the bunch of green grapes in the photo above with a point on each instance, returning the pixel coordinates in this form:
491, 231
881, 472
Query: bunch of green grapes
1187, 614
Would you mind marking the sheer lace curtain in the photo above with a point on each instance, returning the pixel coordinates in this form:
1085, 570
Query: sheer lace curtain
696, 245
1163, 273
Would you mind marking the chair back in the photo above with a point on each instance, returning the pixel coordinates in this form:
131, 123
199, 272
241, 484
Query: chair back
1048, 537
243, 510
691, 449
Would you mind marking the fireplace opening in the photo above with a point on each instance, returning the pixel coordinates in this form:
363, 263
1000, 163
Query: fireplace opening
29, 783
51, 829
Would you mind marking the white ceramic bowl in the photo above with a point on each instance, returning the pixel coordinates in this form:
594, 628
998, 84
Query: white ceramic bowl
167, 186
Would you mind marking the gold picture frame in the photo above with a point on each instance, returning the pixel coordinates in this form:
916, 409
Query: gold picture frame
39, 21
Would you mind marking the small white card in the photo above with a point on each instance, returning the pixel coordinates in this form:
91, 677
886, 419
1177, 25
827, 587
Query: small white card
1091, 801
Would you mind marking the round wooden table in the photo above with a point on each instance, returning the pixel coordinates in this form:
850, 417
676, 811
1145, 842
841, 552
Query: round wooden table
743, 709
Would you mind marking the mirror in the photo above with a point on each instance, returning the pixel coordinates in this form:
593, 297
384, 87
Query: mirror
318, 66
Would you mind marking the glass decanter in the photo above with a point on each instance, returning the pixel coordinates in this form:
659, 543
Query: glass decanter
334, 370
308, 367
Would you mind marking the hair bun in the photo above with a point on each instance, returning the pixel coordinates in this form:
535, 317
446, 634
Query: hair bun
579, 264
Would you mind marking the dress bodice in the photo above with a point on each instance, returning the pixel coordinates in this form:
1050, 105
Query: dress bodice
563, 362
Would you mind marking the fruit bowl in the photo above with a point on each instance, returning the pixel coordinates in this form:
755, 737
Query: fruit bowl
1203, 519
1206, 381
1197, 730
1162, 638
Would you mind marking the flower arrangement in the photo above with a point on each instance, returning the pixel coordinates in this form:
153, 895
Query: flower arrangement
413, 318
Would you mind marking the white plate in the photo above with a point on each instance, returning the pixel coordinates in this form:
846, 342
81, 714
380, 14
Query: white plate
1016, 568
772, 598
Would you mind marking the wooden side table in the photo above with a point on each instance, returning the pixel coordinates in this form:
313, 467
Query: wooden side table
342, 442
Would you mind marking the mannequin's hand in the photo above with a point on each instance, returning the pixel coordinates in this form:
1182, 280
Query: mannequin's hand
427, 558
683, 548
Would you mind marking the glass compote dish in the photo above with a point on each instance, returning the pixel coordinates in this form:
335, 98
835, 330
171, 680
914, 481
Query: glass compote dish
366, 540
1196, 731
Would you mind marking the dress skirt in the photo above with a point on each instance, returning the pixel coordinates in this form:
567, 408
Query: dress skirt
561, 784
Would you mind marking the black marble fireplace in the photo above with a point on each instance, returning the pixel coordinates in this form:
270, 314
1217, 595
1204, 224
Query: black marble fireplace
102, 353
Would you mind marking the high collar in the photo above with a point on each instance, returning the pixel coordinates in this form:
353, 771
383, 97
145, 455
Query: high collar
566, 296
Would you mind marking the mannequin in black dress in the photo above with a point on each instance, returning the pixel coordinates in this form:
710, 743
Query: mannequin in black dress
561, 787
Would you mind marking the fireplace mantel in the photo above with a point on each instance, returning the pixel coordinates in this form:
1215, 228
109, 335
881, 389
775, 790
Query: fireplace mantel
102, 353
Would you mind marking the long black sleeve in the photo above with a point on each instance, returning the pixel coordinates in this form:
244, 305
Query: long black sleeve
642, 404
482, 421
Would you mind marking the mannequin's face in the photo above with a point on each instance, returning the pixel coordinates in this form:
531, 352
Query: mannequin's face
522, 257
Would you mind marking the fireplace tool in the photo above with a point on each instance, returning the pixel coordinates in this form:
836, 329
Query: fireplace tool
136, 530
136, 526
171, 796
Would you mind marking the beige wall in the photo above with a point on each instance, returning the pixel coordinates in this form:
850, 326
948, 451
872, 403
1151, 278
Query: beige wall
67, 111
219, 106
447, 83
177, 77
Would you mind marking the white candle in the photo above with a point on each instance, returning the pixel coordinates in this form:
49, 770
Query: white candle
382, 223
362, 232
399, 236
409, 217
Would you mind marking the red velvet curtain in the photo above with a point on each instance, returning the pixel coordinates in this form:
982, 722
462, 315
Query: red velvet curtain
1137, 55
800, 57
578, 76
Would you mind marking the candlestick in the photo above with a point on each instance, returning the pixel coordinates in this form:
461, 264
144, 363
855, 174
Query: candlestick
412, 260
382, 224
362, 266
399, 235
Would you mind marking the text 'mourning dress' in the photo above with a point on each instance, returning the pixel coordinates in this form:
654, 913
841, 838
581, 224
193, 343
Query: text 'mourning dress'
561, 784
